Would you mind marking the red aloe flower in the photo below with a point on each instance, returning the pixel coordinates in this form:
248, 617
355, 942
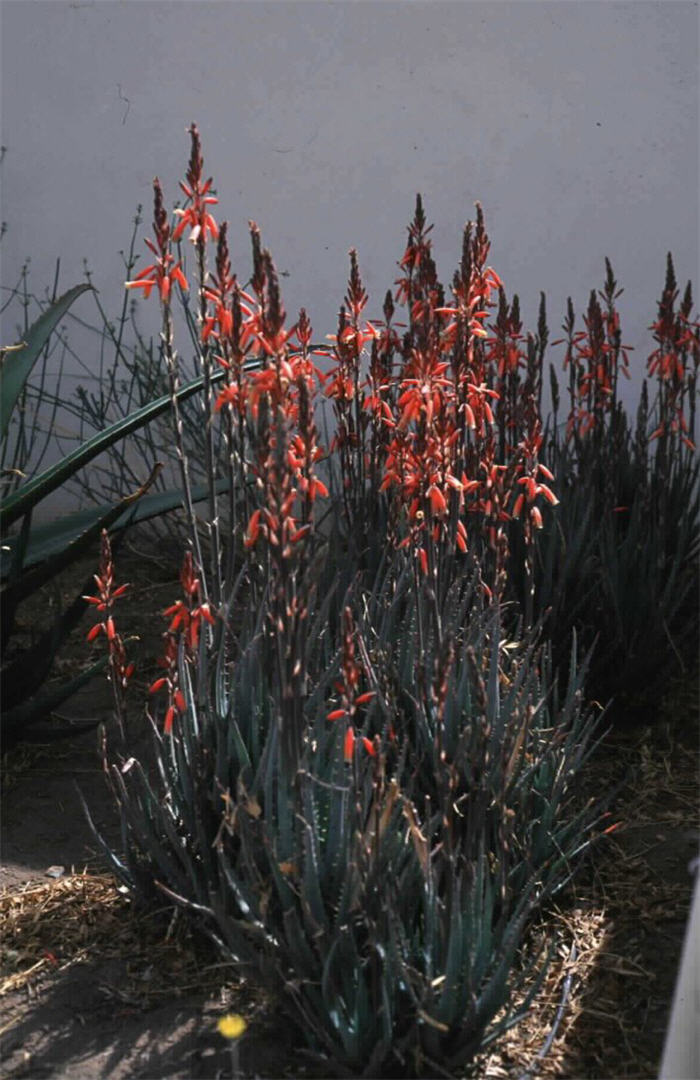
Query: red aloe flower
121, 669
369, 746
530, 469
186, 616
678, 341
170, 681
196, 216
347, 687
423, 388
106, 594
349, 743
230, 302
161, 274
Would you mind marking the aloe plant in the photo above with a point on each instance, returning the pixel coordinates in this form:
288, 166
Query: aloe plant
383, 890
619, 561
618, 558
364, 772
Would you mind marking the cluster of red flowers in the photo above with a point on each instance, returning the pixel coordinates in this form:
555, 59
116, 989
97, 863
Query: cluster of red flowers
417, 426
507, 359
171, 681
164, 272
674, 363
121, 669
269, 411
596, 358
196, 216
431, 419
287, 449
347, 688
531, 469
285, 384
504, 348
186, 617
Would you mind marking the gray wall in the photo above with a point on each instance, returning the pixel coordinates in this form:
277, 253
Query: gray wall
574, 123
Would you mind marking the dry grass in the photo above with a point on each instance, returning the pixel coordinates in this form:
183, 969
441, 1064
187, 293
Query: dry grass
49, 927
619, 928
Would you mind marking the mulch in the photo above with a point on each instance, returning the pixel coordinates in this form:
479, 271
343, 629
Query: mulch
603, 1011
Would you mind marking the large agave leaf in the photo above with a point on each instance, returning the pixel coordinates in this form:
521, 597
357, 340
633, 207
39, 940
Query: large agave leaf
16, 721
53, 537
47, 481
17, 364
24, 584
24, 674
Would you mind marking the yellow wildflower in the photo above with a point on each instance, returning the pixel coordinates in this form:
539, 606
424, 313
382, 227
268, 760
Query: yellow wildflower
231, 1026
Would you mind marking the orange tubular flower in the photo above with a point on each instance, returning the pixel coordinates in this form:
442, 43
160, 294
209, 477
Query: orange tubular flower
185, 618
121, 670
438, 505
106, 594
170, 681
317, 487
347, 687
196, 216
349, 743
161, 274
233, 395
253, 530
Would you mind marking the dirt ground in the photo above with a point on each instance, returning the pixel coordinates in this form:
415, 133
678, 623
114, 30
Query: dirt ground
92, 988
